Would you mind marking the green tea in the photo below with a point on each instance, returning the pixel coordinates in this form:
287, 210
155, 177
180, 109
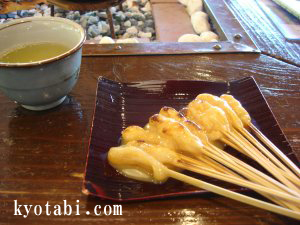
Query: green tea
33, 52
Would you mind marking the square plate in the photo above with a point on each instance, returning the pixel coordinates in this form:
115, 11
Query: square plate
119, 105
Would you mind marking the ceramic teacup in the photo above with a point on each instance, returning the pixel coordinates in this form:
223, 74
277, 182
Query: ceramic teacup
44, 84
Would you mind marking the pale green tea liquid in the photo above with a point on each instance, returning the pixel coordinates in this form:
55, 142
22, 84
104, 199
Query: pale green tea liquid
33, 52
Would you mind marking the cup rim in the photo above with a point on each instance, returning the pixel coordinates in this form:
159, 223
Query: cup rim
55, 58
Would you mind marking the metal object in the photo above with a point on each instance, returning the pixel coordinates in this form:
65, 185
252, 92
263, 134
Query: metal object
217, 47
111, 24
238, 36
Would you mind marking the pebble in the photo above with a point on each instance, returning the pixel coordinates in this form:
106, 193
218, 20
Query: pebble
93, 20
132, 30
144, 34
106, 40
129, 23
93, 31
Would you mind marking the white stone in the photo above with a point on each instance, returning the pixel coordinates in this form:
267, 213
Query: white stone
183, 2
145, 34
127, 23
194, 6
200, 22
132, 30
147, 7
189, 38
209, 36
128, 41
144, 1
106, 40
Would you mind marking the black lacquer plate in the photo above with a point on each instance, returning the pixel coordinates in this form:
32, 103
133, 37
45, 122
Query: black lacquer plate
119, 105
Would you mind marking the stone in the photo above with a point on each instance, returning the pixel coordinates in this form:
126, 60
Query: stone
43, 7
105, 27
93, 20
3, 16
209, 36
127, 41
106, 40
84, 21
141, 24
58, 14
132, 30
70, 16
117, 28
200, 22
12, 15
144, 34
93, 31
133, 22
128, 14
76, 15
148, 15
113, 10
127, 23
149, 23
120, 16
139, 16
189, 38
127, 35
102, 15
194, 6
147, 7
149, 30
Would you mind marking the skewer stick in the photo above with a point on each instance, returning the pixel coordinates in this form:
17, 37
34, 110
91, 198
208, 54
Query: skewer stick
231, 144
289, 174
246, 170
260, 158
237, 181
276, 150
226, 170
233, 195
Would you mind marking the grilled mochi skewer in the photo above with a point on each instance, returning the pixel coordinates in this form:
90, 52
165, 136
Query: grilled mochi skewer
238, 128
196, 130
214, 121
171, 134
246, 120
128, 158
157, 136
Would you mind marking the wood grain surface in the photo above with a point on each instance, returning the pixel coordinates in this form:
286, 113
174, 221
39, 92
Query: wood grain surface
43, 154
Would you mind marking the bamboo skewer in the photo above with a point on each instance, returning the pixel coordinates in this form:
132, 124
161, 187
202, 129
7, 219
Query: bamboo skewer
276, 150
251, 178
290, 175
237, 181
261, 160
233, 195
251, 173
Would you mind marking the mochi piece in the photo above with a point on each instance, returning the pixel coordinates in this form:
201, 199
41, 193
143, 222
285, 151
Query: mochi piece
184, 2
200, 22
106, 40
189, 38
209, 36
194, 6
127, 40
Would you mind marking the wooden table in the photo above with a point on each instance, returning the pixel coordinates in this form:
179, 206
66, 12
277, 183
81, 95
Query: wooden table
43, 154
